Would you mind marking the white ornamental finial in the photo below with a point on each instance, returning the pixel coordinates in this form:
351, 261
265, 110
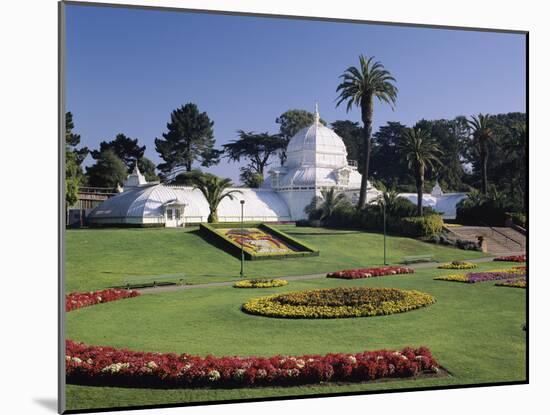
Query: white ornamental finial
316, 113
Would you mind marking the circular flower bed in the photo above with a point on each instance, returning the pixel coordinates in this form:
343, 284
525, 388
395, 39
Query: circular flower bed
457, 265
260, 283
338, 303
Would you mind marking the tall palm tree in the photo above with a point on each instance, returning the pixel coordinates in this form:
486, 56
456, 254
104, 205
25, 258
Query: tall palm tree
421, 151
214, 190
481, 133
359, 86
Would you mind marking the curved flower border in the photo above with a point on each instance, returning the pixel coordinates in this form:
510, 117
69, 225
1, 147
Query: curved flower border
120, 367
108, 366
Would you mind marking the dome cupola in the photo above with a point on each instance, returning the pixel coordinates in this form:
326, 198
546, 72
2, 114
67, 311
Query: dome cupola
316, 145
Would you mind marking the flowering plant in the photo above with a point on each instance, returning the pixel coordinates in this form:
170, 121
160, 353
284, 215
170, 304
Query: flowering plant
260, 283
121, 367
493, 275
458, 265
513, 283
79, 300
338, 303
512, 258
351, 274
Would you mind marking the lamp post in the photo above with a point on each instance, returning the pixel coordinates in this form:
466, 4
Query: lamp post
384, 216
242, 239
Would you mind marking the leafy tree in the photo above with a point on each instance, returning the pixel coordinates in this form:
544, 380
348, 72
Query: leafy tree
147, 168
386, 167
214, 190
515, 149
74, 176
359, 87
482, 133
190, 138
256, 148
126, 148
351, 133
324, 206
421, 151
451, 136
108, 171
396, 206
250, 178
292, 121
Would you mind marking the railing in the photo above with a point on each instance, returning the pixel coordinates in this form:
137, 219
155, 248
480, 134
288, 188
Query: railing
493, 230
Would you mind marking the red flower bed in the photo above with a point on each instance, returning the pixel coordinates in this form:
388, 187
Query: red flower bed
79, 300
512, 258
352, 274
120, 367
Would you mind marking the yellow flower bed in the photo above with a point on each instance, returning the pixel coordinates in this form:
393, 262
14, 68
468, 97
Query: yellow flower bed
259, 283
457, 265
338, 303
519, 283
453, 277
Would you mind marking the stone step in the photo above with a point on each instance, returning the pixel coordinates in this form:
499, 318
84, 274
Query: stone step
506, 240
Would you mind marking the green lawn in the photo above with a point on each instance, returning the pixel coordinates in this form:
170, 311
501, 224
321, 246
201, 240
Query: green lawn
97, 259
474, 329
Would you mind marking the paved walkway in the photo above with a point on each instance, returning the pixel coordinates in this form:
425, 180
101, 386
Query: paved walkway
167, 288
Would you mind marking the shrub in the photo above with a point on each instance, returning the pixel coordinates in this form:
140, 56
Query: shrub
518, 219
338, 303
421, 225
443, 239
260, 283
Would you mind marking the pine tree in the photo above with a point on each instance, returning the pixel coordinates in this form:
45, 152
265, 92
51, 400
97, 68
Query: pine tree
126, 148
189, 139
74, 176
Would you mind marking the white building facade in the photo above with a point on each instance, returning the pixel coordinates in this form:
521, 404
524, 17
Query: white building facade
316, 160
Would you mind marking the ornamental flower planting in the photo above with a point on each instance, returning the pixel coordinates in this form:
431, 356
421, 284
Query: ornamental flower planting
352, 274
120, 367
260, 283
493, 275
512, 258
458, 265
79, 300
338, 303
513, 283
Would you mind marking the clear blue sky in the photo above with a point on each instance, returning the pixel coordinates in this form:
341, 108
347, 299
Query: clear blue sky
127, 69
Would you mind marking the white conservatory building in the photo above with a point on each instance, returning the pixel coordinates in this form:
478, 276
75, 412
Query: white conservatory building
316, 160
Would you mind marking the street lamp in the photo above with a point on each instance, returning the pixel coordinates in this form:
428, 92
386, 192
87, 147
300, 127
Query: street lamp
242, 239
384, 210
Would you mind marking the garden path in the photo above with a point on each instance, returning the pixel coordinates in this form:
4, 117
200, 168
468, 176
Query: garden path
167, 288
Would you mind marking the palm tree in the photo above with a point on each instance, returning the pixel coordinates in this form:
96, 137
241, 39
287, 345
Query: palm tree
324, 206
421, 151
214, 190
481, 133
359, 86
